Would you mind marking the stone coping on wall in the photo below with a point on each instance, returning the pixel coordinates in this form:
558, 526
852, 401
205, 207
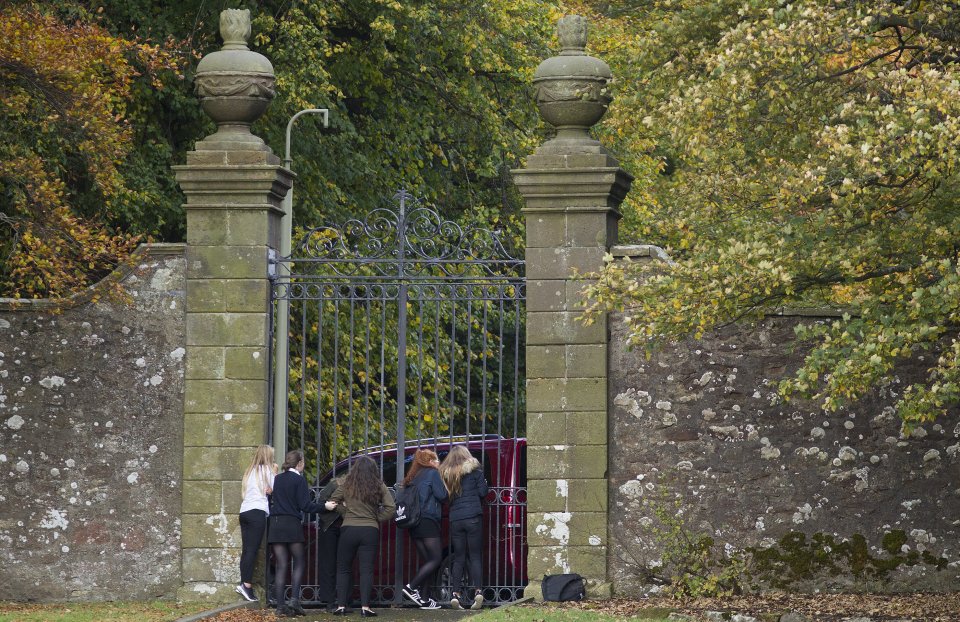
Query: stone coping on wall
636, 251
121, 272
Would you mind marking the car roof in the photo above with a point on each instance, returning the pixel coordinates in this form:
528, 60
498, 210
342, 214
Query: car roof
440, 441
472, 441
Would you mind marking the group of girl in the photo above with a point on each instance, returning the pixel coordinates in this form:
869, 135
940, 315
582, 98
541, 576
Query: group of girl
280, 498
351, 510
460, 479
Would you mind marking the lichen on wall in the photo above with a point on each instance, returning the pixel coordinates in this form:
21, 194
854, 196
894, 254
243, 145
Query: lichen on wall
813, 499
91, 428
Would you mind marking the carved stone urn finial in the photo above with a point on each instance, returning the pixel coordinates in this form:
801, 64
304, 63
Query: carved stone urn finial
235, 85
572, 32
571, 88
235, 28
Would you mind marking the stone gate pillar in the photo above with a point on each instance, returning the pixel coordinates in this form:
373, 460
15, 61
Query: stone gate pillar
572, 188
234, 187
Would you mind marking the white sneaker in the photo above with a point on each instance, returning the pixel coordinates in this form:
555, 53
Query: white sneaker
430, 604
413, 595
246, 592
477, 602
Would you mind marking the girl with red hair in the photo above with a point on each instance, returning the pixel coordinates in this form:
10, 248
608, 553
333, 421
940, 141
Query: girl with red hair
424, 476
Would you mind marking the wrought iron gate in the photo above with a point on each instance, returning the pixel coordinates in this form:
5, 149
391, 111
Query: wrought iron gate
407, 330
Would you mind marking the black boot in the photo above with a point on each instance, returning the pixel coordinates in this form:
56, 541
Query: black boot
296, 608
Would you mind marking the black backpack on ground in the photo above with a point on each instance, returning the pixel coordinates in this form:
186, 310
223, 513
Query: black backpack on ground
408, 507
560, 587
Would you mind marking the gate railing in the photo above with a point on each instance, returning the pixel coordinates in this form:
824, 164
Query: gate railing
504, 563
403, 325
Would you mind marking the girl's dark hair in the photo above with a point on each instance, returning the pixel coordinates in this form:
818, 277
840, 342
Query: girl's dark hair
423, 459
292, 459
363, 482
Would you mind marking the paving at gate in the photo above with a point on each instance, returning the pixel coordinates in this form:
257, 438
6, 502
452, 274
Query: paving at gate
256, 614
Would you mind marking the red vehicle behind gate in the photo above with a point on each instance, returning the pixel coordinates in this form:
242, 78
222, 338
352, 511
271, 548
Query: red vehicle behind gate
504, 463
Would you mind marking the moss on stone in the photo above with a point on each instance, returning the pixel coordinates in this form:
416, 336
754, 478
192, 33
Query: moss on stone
797, 558
893, 541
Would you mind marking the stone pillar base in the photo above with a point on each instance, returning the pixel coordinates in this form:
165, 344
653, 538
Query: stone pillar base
534, 590
215, 593
600, 590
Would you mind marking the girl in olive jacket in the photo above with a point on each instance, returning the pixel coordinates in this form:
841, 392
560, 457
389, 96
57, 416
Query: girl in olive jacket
364, 501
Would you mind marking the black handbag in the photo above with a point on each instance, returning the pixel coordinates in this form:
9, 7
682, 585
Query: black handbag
562, 587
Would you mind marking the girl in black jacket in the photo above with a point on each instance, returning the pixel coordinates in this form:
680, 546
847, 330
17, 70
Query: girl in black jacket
463, 477
290, 500
426, 535
328, 539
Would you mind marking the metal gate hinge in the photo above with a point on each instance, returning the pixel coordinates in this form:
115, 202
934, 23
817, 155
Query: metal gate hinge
272, 260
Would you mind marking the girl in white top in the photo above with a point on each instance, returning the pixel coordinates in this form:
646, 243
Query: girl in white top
256, 485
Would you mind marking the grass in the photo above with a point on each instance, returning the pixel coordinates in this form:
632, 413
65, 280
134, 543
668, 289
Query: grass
153, 611
549, 614
161, 611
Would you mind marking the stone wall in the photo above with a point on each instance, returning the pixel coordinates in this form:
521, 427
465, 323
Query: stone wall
91, 440
810, 500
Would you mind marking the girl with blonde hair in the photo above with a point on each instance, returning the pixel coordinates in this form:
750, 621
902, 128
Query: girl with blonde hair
426, 535
257, 483
463, 477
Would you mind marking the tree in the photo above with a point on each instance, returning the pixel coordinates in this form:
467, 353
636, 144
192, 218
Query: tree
429, 96
63, 141
796, 154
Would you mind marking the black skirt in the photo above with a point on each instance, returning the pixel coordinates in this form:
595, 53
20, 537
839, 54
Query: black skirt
426, 528
284, 529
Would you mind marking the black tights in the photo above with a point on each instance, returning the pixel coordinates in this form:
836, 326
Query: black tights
281, 553
430, 551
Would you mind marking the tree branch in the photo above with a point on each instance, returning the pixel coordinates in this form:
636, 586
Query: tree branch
895, 21
899, 50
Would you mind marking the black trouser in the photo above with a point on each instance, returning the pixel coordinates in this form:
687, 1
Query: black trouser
466, 540
253, 524
361, 542
327, 542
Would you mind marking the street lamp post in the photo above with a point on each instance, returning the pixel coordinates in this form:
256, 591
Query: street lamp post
280, 371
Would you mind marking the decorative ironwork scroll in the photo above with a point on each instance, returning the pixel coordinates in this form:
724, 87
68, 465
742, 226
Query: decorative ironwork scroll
405, 239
